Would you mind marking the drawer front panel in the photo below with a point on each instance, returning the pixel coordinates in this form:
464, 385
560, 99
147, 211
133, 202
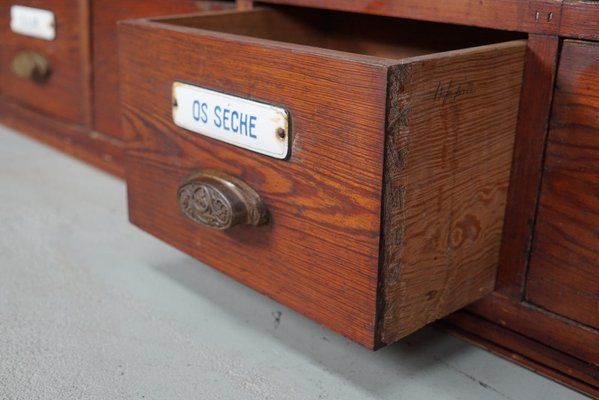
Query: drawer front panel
564, 270
319, 253
58, 83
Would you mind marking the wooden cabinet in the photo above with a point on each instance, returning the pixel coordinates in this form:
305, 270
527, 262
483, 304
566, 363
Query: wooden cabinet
393, 207
59, 84
74, 106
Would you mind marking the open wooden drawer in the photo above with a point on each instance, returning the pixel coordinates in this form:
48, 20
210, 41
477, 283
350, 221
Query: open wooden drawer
381, 207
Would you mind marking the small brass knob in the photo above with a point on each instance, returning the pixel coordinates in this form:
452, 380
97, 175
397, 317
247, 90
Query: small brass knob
220, 201
31, 65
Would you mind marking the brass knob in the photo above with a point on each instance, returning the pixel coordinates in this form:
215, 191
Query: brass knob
220, 201
31, 65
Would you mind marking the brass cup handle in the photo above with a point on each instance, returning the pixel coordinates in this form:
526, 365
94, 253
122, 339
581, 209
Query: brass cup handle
220, 201
31, 65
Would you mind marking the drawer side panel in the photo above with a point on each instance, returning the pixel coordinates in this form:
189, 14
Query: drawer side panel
451, 128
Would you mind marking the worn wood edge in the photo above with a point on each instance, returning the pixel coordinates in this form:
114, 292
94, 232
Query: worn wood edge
539, 324
397, 137
396, 132
440, 55
164, 23
78, 141
527, 164
517, 348
156, 24
163, 20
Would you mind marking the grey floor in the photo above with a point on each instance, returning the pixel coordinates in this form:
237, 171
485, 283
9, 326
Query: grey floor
93, 308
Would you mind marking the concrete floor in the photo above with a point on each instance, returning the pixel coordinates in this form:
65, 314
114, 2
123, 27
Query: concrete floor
93, 308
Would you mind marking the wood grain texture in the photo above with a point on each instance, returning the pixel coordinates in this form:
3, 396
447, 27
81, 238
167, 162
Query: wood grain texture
580, 19
564, 270
535, 16
66, 93
570, 18
92, 147
320, 253
504, 308
525, 181
106, 101
449, 150
525, 351
546, 327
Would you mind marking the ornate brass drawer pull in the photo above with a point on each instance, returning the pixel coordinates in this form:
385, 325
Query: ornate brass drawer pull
220, 201
31, 65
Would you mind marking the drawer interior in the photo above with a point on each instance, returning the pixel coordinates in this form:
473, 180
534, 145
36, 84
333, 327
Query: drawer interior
370, 35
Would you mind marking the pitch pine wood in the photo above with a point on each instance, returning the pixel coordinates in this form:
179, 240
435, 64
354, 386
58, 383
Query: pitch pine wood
576, 20
449, 146
527, 167
104, 17
580, 19
504, 307
532, 354
568, 18
66, 93
321, 253
563, 275
535, 16
548, 328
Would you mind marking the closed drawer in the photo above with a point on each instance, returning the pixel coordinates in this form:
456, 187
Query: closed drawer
386, 211
44, 62
564, 268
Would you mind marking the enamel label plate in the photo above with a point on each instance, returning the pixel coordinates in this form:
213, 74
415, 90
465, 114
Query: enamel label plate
33, 22
252, 125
